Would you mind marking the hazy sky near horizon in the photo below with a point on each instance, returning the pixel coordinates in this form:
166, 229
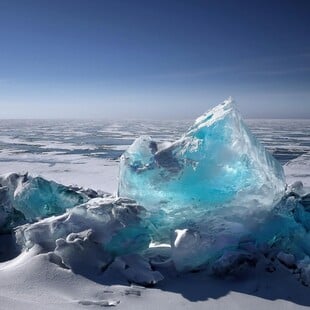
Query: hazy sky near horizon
153, 59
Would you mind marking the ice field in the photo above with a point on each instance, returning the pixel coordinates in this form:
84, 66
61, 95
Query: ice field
86, 201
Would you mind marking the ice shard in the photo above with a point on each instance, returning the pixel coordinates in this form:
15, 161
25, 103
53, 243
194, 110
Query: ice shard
24, 198
216, 162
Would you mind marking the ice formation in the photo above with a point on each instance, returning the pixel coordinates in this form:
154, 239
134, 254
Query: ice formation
116, 236
100, 234
217, 161
24, 199
215, 200
212, 186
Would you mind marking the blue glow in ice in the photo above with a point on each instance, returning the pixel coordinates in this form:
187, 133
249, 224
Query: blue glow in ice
24, 198
216, 162
214, 199
39, 198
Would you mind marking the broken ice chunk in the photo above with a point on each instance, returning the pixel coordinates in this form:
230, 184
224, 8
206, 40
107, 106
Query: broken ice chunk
23, 197
217, 161
88, 237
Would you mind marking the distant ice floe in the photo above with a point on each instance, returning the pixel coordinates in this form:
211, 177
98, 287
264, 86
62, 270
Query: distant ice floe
214, 200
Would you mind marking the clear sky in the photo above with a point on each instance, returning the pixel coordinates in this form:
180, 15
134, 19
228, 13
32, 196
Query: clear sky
153, 59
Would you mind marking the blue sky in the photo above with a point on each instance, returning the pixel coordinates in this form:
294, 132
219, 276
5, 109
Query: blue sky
153, 59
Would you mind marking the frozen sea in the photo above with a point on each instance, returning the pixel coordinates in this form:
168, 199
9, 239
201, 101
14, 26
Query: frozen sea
86, 152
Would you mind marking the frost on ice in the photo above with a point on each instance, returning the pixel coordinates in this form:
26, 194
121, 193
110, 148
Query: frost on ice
217, 161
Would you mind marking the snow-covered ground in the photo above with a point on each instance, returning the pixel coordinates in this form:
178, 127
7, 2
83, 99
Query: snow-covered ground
35, 283
298, 169
72, 170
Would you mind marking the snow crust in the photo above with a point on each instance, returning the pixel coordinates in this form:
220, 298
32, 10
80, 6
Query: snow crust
90, 237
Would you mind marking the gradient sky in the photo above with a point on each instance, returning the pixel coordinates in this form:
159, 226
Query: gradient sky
153, 59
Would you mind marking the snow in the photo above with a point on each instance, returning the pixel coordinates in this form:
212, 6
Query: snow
36, 280
36, 283
67, 170
298, 170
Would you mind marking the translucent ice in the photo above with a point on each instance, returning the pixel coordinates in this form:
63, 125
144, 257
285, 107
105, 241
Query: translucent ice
215, 199
213, 187
25, 198
216, 162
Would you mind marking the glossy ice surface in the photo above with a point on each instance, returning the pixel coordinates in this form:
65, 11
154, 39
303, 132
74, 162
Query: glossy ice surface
25, 198
216, 162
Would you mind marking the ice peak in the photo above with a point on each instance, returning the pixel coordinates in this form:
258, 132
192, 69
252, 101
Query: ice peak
217, 161
214, 114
